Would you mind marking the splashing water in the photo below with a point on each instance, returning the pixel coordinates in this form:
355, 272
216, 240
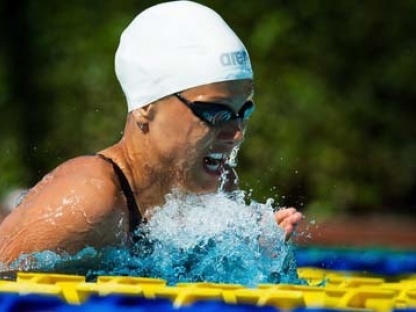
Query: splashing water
232, 163
213, 238
232, 160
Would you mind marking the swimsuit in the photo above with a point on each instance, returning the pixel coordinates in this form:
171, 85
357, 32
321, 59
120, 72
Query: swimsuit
135, 217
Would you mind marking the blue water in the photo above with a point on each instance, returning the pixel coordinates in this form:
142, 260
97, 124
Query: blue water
215, 238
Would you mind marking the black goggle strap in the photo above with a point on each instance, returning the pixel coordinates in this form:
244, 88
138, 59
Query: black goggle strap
247, 109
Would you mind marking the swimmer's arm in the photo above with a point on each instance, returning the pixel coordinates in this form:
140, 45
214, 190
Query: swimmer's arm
68, 210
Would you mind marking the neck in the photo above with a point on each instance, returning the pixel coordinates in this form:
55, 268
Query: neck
141, 166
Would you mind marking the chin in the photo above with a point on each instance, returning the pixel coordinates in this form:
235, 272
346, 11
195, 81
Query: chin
200, 180
202, 187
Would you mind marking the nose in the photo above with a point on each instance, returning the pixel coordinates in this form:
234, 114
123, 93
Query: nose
232, 132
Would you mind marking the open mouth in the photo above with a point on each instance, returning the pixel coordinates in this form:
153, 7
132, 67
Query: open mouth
213, 162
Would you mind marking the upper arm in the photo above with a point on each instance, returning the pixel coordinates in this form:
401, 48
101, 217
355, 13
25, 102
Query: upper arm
73, 207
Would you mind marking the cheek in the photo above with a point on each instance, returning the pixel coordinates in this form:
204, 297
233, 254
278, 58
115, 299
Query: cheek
182, 137
195, 143
176, 120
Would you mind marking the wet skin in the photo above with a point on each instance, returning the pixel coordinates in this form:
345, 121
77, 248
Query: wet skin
164, 146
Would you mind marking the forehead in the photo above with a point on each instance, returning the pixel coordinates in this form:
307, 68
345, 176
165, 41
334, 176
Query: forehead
233, 88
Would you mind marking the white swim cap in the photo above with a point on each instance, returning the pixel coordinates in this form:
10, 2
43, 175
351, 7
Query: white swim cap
175, 46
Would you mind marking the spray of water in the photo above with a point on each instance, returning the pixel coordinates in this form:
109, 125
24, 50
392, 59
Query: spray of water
232, 163
214, 238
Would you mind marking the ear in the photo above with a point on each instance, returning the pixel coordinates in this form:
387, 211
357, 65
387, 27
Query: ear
144, 114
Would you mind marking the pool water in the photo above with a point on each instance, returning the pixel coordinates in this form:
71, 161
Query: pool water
221, 238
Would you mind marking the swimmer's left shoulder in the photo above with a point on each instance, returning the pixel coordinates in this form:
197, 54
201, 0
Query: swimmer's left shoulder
91, 165
87, 175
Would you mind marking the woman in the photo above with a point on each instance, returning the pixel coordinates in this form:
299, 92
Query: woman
188, 83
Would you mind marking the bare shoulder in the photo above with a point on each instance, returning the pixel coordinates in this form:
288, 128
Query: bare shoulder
74, 206
85, 182
91, 166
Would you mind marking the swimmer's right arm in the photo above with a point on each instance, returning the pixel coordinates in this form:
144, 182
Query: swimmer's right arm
71, 208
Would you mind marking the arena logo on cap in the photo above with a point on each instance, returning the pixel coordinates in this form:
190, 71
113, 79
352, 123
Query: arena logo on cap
234, 58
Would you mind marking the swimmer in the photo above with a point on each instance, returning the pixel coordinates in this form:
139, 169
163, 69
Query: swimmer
188, 83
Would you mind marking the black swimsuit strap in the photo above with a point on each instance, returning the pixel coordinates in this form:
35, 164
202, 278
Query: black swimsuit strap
135, 217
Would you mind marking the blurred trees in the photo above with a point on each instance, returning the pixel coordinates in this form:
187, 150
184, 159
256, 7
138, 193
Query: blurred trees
335, 91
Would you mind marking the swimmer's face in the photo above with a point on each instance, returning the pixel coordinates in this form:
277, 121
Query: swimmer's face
195, 150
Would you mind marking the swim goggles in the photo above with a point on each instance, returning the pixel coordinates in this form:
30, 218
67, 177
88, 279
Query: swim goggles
215, 114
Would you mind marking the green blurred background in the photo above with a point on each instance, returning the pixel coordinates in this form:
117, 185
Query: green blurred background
334, 130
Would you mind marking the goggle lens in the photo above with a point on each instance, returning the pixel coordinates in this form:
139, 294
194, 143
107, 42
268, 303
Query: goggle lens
215, 114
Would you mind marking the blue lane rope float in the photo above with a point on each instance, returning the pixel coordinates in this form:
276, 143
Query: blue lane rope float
374, 261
